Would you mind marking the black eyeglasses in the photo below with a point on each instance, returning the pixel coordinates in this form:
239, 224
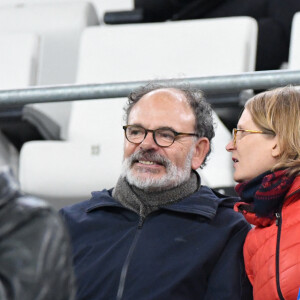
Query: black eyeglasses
235, 131
163, 137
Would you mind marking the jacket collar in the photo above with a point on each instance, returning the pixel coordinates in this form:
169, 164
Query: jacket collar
204, 202
295, 188
264, 222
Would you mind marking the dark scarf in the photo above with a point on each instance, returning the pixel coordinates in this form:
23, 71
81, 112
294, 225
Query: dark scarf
143, 202
265, 193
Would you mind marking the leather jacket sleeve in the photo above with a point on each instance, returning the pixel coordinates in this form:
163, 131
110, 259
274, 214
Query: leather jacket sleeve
35, 258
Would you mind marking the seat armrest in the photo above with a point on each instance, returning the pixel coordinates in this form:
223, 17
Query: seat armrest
124, 17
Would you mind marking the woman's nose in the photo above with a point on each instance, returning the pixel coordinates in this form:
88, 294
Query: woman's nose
230, 146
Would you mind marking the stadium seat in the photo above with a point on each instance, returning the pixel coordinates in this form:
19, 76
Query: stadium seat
101, 6
18, 70
135, 52
294, 54
59, 25
18, 60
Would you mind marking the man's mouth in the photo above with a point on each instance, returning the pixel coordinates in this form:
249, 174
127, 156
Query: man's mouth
148, 159
235, 160
148, 162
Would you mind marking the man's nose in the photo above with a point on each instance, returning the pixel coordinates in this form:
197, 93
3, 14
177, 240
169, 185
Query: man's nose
149, 142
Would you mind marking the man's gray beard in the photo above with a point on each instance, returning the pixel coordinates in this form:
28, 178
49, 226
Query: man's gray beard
174, 175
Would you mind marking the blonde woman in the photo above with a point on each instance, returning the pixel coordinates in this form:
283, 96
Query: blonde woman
266, 156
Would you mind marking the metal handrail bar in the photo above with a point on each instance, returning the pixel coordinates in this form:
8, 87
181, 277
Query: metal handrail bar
210, 85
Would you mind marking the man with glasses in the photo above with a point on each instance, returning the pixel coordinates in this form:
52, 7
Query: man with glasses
159, 234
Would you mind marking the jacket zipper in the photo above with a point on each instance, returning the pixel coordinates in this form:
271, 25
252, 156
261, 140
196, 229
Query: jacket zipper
128, 259
278, 223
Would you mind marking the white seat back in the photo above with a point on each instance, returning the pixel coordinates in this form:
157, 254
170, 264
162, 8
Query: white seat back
18, 69
18, 60
294, 54
160, 50
63, 170
101, 6
142, 52
59, 25
168, 50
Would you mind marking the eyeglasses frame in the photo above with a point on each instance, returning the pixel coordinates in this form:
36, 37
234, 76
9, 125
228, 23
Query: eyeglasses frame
235, 131
153, 134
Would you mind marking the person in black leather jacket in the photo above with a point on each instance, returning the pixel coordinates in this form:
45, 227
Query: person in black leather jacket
35, 260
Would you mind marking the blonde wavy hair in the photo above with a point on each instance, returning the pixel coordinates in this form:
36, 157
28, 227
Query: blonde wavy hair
278, 112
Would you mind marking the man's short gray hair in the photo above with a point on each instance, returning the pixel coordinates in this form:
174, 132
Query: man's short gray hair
204, 125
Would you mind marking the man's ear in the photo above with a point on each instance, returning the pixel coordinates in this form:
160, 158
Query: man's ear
276, 148
201, 150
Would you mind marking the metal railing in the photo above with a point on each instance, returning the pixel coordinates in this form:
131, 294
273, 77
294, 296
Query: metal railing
210, 85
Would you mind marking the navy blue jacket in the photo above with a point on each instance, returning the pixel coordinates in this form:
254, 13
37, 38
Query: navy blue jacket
184, 251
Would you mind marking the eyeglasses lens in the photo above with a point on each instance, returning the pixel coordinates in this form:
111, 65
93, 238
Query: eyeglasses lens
162, 137
135, 134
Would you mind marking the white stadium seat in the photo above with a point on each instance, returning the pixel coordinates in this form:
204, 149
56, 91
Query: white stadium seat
76, 162
294, 55
19, 54
59, 25
101, 6
136, 52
